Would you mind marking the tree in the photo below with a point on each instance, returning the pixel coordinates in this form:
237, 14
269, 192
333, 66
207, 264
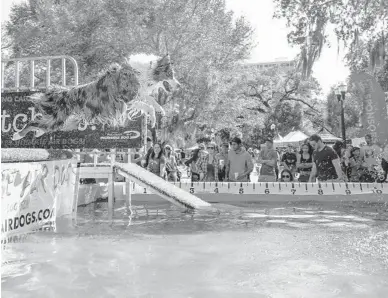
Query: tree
352, 108
355, 22
201, 37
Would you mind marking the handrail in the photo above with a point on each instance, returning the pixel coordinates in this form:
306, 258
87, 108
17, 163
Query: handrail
32, 60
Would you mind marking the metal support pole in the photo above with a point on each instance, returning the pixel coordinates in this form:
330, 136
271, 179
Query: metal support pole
111, 184
63, 71
343, 123
128, 188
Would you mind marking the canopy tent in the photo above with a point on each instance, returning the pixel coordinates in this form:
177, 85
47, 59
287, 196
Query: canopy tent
357, 142
327, 137
293, 138
278, 138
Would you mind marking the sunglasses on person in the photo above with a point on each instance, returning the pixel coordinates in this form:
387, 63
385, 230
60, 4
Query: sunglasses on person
210, 147
286, 176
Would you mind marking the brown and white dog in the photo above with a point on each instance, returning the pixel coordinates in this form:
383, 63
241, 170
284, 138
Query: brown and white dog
120, 93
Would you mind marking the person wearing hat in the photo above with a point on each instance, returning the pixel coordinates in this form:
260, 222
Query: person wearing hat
289, 159
207, 164
239, 165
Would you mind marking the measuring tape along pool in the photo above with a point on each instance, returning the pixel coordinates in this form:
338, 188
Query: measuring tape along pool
284, 188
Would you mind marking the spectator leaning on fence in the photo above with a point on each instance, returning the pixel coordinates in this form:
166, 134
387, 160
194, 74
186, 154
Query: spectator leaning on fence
289, 159
326, 163
240, 163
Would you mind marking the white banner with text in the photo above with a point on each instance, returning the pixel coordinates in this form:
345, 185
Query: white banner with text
34, 194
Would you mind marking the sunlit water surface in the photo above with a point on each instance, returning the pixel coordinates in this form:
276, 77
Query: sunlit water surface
263, 250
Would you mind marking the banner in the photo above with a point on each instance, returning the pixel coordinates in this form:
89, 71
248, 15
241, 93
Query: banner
17, 110
34, 194
374, 114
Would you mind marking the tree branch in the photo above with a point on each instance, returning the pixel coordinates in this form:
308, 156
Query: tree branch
299, 100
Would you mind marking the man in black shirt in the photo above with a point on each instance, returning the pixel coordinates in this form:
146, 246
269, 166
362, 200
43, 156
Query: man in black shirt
326, 164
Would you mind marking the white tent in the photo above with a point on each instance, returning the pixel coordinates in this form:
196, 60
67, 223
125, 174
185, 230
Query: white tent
293, 138
278, 138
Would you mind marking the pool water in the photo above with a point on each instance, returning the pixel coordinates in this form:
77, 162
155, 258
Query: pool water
257, 250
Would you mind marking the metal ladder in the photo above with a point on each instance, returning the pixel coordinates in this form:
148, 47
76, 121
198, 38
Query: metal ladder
31, 60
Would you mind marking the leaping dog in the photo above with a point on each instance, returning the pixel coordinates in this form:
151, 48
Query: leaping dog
118, 94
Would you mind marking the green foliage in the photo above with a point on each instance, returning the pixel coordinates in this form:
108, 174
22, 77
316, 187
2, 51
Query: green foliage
352, 112
203, 39
357, 23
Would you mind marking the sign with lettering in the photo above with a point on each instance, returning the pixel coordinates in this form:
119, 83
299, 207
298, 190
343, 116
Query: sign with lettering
374, 115
17, 110
34, 194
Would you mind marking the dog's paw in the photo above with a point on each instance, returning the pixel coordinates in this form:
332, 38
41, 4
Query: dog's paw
17, 136
39, 133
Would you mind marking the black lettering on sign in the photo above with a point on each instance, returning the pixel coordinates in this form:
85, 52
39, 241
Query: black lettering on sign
241, 191
145, 190
216, 190
191, 189
348, 192
320, 191
293, 190
266, 191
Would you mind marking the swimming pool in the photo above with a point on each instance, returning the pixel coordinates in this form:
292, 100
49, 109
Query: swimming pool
299, 249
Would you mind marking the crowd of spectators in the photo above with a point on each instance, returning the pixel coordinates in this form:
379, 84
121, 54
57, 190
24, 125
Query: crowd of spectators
232, 162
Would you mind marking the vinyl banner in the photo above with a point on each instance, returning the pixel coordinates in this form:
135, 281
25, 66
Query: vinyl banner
34, 194
17, 109
374, 114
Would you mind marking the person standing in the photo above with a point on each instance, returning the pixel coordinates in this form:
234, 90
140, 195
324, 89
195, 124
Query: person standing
304, 162
157, 161
207, 164
355, 165
268, 159
239, 164
369, 154
289, 159
171, 164
326, 163
146, 152
222, 159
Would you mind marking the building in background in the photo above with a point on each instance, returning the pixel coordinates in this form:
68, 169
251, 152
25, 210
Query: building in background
281, 63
